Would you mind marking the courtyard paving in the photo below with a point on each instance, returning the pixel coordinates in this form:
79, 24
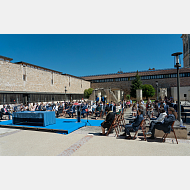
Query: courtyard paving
86, 141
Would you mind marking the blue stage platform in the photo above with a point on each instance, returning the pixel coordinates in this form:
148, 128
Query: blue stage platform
63, 126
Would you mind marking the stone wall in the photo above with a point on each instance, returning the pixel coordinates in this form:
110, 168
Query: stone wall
38, 80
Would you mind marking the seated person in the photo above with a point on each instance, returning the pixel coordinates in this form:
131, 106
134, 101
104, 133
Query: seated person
134, 110
83, 109
160, 117
72, 110
5, 112
93, 108
60, 110
108, 121
48, 107
98, 110
66, 108
165, 125
133, 126
150, 110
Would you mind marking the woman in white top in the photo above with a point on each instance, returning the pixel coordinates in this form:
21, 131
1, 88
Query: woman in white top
161, 116
118, 107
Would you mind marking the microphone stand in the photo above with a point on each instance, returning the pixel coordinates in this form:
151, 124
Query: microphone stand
87, 119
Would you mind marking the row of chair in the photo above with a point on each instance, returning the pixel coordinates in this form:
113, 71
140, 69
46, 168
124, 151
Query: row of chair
119, 123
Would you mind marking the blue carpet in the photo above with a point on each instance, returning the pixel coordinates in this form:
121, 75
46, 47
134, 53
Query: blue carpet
68, 125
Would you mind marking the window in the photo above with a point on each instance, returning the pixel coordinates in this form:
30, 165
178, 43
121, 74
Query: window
24, 77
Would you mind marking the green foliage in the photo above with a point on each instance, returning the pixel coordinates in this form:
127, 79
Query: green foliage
88, 92
128, 96
148, 90
136, 84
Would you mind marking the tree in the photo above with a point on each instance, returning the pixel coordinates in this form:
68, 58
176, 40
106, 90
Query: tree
148, 90
136, 84
128, 96
88, 92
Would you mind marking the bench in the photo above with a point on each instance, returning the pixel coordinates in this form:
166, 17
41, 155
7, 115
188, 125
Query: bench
185, 115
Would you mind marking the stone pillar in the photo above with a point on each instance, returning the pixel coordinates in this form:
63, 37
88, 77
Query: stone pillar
139, 94
99, 95
163, 93
117, 94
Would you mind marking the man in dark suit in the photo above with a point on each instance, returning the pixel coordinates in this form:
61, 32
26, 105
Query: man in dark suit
133, 126
113, 107
108, 121
83, 109
72, 110
165, 125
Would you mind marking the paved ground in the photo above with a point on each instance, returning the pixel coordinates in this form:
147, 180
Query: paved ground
86, 142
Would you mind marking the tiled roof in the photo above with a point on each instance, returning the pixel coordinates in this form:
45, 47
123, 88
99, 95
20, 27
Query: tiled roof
132, 74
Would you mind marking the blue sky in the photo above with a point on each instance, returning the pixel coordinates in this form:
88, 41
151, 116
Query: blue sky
91, 54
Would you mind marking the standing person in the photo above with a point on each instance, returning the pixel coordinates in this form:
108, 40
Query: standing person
83, 108
122, 106
98, 110
166, 106
118, 108
106, 106
102, 108
97, 100
103, 99
131, 102
108, 121
93, 108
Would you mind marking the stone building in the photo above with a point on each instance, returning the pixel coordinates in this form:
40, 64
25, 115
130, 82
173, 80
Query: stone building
25, 82
186, 50
167, 78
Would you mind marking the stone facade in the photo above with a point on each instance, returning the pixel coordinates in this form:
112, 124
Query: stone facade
38, 80
26, 83
186, 50
125, 85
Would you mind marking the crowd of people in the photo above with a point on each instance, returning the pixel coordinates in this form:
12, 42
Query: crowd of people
67, 108
166, 114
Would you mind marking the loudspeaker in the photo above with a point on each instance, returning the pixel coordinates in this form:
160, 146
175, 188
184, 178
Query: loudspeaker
185, 95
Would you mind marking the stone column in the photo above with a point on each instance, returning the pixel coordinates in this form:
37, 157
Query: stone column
163, 93
139, 94
99, 95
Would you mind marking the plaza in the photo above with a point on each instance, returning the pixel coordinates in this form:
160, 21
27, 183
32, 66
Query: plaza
86, 141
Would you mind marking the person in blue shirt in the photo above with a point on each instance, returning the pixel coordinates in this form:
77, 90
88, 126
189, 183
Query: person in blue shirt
97, 100
83, 108
72, 110
103, 99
